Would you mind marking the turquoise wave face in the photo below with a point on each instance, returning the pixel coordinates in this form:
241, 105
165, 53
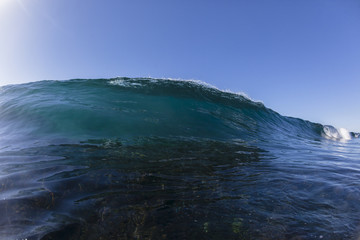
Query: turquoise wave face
124, 108
164, 159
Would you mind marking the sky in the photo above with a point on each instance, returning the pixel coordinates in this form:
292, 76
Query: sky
300, 57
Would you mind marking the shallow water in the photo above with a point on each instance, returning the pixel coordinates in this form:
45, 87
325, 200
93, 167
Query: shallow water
159, 159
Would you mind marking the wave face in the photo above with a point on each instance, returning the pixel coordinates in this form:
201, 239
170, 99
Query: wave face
166, 159
123, 108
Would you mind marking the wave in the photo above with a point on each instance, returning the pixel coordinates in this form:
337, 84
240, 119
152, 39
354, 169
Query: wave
153, 155
125, 108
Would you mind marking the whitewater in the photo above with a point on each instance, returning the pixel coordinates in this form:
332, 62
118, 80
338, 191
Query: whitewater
144, 158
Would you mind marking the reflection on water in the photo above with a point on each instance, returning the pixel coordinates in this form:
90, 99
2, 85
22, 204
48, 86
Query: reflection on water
157, 188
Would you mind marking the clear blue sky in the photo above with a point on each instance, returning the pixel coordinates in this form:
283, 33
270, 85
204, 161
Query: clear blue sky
300, 57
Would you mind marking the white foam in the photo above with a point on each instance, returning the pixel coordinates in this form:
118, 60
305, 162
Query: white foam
331, 132
121, 82
344, 133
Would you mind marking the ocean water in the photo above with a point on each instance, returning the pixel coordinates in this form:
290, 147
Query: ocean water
163, 159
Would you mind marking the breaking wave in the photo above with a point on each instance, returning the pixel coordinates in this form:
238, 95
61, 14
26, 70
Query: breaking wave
125, 108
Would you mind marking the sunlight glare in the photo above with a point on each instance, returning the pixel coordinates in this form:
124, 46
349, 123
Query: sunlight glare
4, 3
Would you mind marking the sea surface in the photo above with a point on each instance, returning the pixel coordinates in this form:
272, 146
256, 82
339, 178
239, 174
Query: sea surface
166, 159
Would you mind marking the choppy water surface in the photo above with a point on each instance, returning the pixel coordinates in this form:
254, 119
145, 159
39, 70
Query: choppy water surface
160, 159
